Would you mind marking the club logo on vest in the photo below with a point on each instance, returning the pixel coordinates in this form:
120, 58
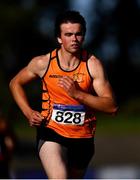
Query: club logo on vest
79, 77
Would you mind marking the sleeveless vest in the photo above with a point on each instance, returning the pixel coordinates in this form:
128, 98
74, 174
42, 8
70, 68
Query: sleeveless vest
64, 114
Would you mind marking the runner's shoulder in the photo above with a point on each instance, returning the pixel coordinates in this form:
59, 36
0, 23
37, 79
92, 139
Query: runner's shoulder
39, 64
40, 61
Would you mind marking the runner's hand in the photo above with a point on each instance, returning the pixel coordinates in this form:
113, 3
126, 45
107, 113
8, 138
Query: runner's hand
69, 85
35, 118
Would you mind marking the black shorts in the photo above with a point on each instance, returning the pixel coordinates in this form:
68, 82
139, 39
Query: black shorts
79, 150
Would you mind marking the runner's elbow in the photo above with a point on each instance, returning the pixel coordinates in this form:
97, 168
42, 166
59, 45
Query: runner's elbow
12, 83
114, 110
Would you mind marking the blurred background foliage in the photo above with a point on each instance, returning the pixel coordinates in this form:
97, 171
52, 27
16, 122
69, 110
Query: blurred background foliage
113, 35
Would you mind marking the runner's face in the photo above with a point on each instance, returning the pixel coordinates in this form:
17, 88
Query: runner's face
71, 37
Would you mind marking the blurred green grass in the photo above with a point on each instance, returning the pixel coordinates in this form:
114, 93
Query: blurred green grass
126, 121
120, 124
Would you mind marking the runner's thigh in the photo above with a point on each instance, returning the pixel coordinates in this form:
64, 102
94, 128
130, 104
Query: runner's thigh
52, 156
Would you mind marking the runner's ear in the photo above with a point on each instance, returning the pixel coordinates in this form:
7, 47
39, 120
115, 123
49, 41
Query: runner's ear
59, 40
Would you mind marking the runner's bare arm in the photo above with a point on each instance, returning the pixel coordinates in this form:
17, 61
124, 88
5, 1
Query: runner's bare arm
36, 68
104, 101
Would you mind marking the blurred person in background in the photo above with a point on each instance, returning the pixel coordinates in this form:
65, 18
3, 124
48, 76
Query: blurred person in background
7, 147
74, 86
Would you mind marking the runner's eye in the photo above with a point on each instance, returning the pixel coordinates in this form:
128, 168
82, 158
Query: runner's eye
76, 34
68, 34
79, 34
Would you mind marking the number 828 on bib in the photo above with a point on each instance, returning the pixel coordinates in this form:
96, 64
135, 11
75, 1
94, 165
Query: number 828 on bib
68, 114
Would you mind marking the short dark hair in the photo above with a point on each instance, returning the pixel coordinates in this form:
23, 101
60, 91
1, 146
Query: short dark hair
69, 16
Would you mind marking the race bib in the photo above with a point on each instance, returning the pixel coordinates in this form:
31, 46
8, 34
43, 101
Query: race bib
68, 114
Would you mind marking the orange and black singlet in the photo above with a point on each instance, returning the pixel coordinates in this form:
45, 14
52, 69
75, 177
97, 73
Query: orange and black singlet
64, 114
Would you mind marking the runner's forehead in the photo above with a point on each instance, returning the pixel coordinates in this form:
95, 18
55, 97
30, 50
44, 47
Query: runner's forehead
71, 27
